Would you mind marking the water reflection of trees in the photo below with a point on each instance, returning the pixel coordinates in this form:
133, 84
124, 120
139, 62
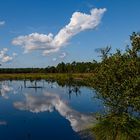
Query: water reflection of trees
73, 87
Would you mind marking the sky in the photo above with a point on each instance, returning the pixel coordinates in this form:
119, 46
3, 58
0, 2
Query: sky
41, 33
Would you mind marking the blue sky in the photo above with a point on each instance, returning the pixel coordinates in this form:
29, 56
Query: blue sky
37, 18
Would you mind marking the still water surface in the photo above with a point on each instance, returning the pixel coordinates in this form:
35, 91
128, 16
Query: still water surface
44, 110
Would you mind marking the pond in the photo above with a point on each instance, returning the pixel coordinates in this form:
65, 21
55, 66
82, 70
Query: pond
44, 110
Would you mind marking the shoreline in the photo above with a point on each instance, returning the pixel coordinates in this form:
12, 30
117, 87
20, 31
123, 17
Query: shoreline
84, 78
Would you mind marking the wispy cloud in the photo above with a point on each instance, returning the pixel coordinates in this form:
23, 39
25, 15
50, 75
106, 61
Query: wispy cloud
63, 55
60, 56
49, 43
54, 59
2, 23
14, 54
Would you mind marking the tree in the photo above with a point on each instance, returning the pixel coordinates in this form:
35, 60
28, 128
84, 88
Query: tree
117, 81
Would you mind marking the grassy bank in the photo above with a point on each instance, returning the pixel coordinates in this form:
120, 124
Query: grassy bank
54, 76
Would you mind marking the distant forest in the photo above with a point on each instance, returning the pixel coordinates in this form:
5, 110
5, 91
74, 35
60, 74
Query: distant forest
74, 67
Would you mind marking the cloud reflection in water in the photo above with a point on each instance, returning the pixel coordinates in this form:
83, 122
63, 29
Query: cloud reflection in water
50, 102
5, 89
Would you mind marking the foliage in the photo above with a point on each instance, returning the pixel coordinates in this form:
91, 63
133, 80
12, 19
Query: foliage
117, 81
117, 127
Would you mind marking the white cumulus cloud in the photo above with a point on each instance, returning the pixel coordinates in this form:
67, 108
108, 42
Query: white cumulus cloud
7, 59
4, 57
49, 43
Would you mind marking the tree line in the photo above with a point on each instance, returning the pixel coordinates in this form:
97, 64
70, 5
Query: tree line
74, 67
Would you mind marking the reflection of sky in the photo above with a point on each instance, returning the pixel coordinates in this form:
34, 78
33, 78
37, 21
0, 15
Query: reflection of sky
5, 89
50, 102
3, 122
67, 114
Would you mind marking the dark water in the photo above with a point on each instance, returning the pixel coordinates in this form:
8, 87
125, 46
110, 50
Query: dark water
45, 111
